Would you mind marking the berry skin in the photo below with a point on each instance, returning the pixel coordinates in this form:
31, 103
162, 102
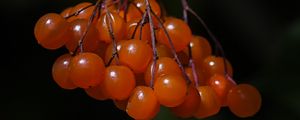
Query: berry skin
121, 104
201, 80
51, 31
119, 82
244, 100
209, 104
97, 92
142, 104
138, 7
66, 12
83, 14
134, 24
136, 54
215, 65
61, 70
200, 49
118, 27
77, 30
87, 70
163, 51
180, 33
184, 58
189, 106
221, 85
170, 90
164, 65
109, 51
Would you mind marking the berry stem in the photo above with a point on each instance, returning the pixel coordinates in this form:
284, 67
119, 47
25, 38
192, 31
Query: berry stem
185, 7
135, 29
80, 44
172, 48
213, 37
112, 35
77, 12
141, 24
148, 11
191, 61
125, 7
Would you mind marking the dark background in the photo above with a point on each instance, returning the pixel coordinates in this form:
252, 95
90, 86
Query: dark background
261, 39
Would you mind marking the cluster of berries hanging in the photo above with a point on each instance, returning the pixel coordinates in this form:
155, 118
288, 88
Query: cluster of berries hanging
127, 52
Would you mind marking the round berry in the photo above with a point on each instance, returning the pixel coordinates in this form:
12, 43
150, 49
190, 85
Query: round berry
170, 90
244, 100
142, 104
61, 70
87, 70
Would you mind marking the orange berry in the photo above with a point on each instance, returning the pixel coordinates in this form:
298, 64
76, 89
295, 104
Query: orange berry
170, 90
221, 85
164, 66
215, 65
87, 70
189, 106
77, 30
209, 104
179, 32
51, 31
142, 104
200, 49
244, 100
136, 55
97, 92
61, 70
109, 51
86, 10
118, 27
119, 82
163, 51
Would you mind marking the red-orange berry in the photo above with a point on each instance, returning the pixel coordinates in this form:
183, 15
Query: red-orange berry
209, 104
244, 100
87, 70
118, 27
164, 65
61, 70
142, 104
77, 30
97, 92
136, 55
119, 82
221, 85
190, 105
215, 65
179, 32
170, 90
51, 31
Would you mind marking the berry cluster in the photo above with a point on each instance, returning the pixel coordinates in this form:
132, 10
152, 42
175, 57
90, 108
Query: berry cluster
128, 52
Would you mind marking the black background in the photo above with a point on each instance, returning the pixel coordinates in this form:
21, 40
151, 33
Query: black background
260, 37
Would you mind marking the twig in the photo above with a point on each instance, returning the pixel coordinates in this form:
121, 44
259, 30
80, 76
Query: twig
111, 33
148, 10
191, 60
80, 44
172, 48
213, 37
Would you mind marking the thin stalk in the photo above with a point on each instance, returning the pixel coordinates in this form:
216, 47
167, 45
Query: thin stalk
172, 48
148, 11
112, 35
191, 61
213, 37
80, 44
